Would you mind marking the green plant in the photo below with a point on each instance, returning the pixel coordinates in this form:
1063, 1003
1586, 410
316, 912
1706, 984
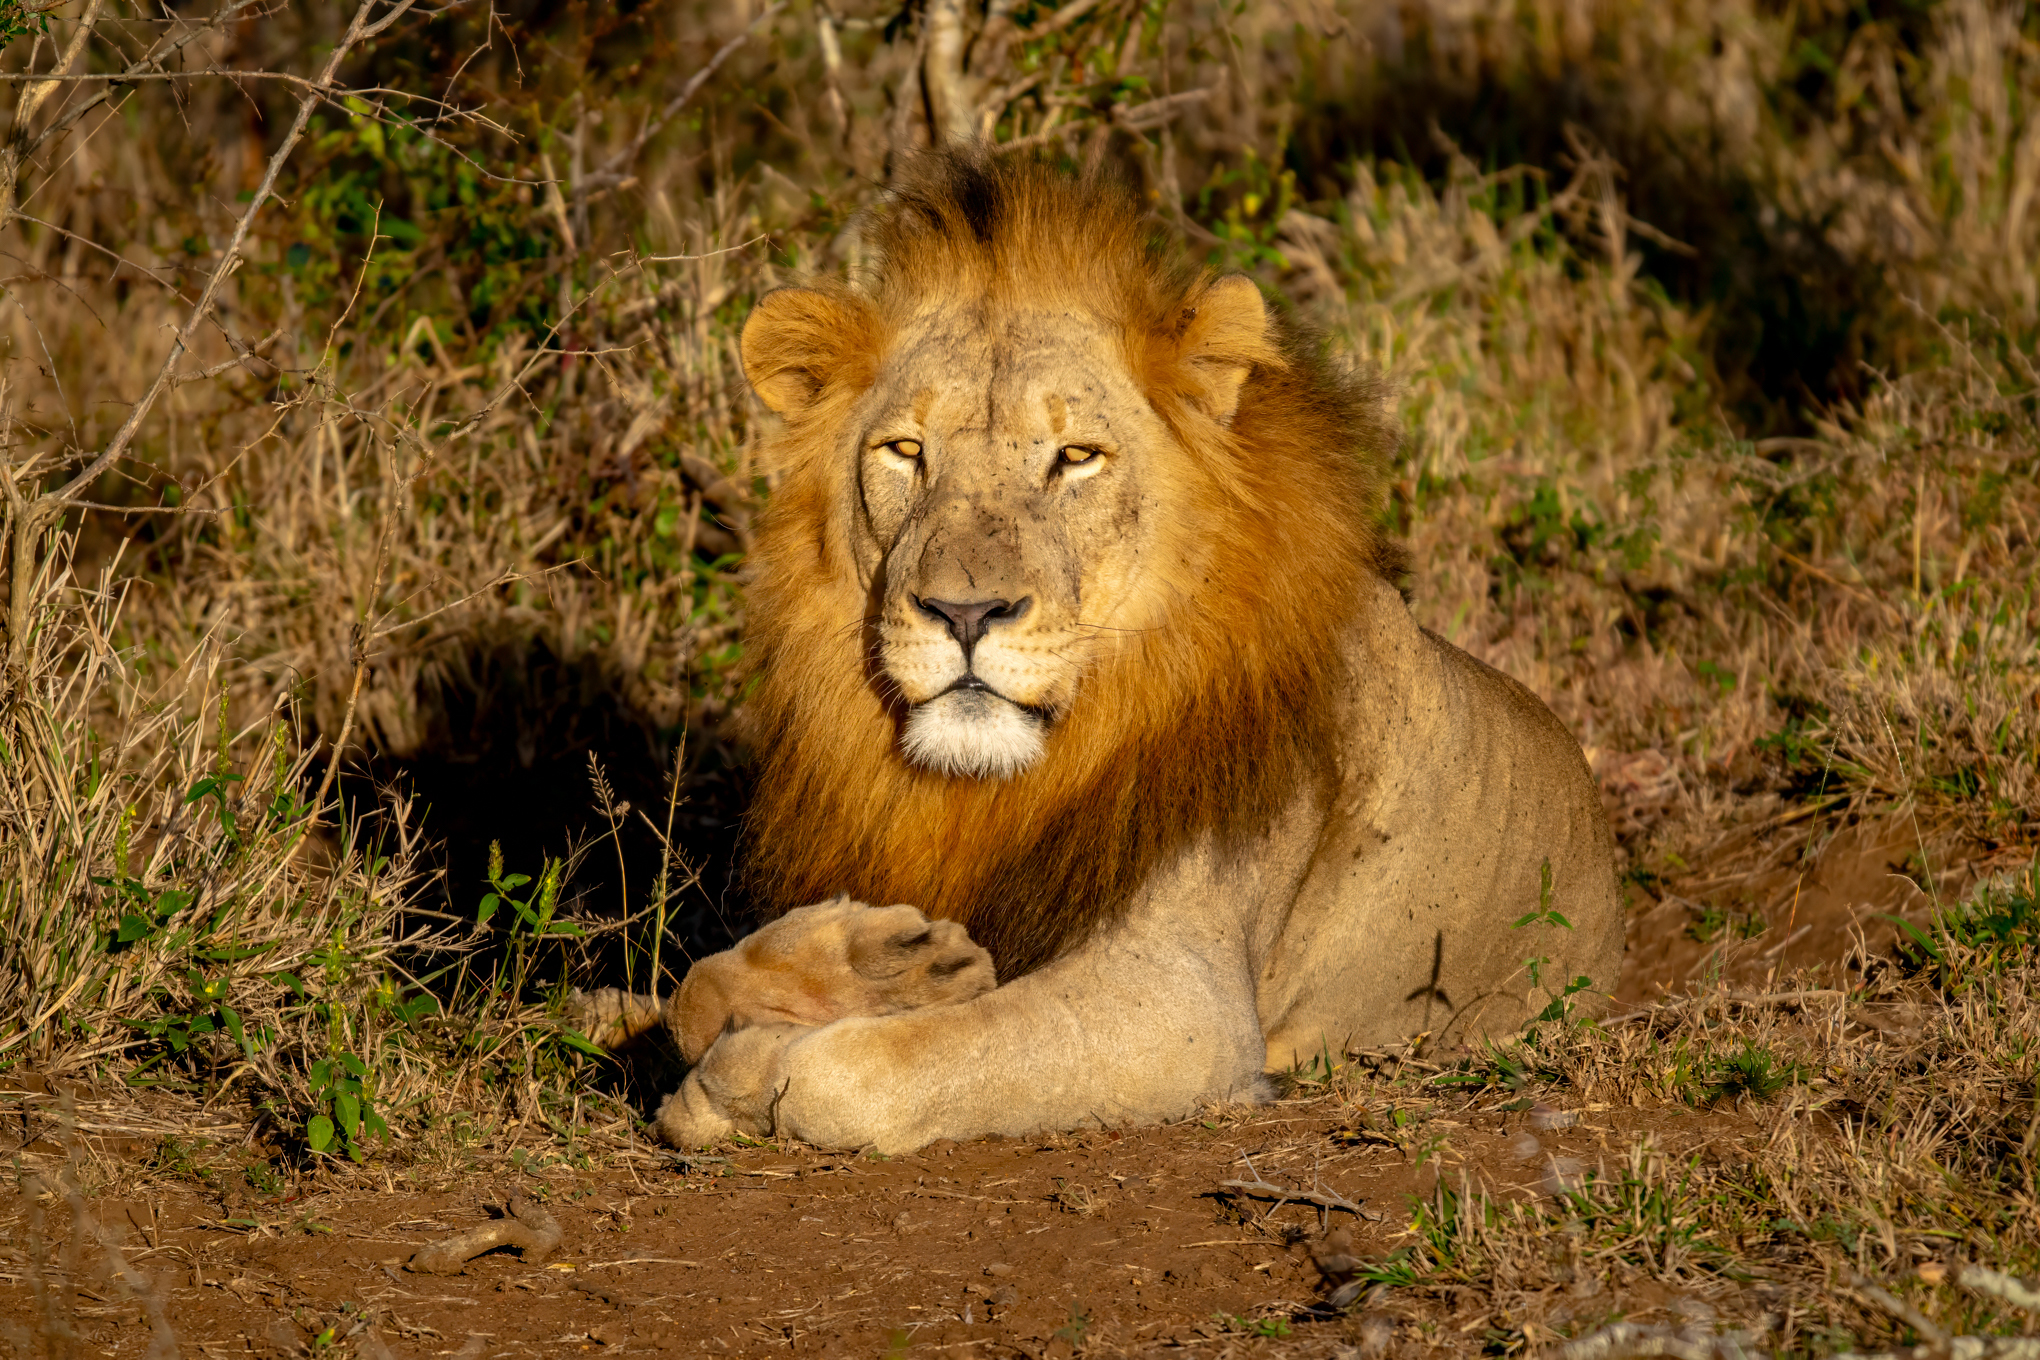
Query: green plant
23, 16
343, 1092
1073, 1331
1272, 1328
1996, 927
1558, 1005
1711, 922
1750, 1070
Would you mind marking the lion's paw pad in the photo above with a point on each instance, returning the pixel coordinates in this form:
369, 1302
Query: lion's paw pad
917, 962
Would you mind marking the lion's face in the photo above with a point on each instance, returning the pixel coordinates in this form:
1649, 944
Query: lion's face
1008, 497
1019, 508
1055, 580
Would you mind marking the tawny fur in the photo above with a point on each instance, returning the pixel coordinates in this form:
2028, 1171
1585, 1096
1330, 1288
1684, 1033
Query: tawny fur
1205, 728
811, 966
1267, 818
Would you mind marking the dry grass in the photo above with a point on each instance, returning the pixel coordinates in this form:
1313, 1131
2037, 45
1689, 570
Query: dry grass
1713, 326
1886, 1141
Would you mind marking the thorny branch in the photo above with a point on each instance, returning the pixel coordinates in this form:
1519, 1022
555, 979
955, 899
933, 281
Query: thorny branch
1324, 1199
27, 518
22, 148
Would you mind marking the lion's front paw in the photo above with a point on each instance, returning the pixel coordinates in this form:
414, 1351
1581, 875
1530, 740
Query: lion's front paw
829, 962
909, 961
735, 1088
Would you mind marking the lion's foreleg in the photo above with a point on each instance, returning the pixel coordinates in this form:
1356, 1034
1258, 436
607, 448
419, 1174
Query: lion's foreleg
612, 1017
1125, 1031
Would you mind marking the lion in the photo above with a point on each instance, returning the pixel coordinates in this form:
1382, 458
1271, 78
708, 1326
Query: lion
1074, 633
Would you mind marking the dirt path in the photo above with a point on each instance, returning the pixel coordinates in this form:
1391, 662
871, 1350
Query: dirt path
1117, 1242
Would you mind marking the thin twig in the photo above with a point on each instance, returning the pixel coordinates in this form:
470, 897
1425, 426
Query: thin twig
1899, 1308
1322, 1198
230, 257
611, 173
147, 64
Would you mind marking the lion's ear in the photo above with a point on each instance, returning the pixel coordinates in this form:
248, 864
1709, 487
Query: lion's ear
798, 341
1225, 333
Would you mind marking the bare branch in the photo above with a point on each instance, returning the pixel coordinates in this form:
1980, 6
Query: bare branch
704, 255
230, 258
1062, 18
525, 1225
164, 49
612, 171
951, 112
243, 354
32, 98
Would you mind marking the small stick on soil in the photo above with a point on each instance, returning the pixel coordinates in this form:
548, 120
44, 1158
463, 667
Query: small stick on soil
1322, 1198
525, 1225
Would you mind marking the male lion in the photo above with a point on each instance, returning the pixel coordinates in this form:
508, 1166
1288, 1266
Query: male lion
1072, 629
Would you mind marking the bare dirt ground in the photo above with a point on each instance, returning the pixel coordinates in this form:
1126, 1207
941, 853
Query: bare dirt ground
1103, 1242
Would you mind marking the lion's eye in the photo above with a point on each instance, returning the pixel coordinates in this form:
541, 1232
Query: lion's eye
1076, 455
903, 448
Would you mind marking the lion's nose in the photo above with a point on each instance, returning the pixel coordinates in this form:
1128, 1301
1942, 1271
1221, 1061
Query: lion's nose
970, 621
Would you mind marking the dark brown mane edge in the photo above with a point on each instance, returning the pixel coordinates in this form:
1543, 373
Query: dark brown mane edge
1209, 727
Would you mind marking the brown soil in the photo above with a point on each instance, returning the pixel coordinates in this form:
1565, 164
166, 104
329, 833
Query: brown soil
1109, 1241
1119, 1240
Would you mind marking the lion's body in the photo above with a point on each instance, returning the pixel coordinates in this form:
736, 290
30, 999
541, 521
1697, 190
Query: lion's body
1071, 626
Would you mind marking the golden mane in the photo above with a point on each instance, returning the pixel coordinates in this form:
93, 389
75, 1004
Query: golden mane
1207, 727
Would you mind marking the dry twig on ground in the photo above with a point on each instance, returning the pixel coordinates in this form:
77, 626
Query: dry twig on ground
525, 1225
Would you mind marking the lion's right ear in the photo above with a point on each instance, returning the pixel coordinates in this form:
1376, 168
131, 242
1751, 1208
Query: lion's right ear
799, 341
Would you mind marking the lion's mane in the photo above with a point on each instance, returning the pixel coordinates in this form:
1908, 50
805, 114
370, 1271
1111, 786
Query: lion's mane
1204, 728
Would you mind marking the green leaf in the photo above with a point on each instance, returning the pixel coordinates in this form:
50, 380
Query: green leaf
487, 909
354, 1064
580, 1043
233, 1019
214, 784
133, 928
348, 1109
319, 1132
292, 981
1920, 937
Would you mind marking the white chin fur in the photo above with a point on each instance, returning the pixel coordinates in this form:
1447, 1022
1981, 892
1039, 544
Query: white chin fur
970, 732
